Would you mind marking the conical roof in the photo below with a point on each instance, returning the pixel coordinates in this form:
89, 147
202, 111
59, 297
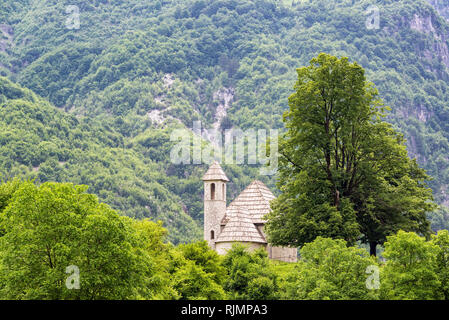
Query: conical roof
256, 199
240, 228
215, 172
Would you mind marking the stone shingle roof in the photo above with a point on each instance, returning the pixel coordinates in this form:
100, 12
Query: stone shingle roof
256, 199
215, 172
240, 228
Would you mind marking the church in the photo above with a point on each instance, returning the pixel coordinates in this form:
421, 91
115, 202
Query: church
243, 220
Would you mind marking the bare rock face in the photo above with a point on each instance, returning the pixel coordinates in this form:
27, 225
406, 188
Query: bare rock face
422, 24
156, 117
225, 96
426, 24
6, 36
168, 80
442, 6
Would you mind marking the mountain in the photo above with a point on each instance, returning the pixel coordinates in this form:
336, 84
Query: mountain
133, 71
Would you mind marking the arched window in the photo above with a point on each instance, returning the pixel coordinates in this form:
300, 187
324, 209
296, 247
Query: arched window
212, 235
212, 191
223, 191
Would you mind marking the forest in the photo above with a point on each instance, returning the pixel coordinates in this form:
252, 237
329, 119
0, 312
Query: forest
47, 228
174, 58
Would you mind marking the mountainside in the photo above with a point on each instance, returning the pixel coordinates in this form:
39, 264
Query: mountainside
135, 70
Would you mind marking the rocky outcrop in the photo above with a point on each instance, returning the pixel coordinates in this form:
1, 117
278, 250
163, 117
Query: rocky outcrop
426, 24
6, 37
442, 6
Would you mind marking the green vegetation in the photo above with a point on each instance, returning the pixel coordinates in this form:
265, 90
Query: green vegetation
329, 270
343, 172
47, 228
250, 275
38, 141
95, 106
129, 59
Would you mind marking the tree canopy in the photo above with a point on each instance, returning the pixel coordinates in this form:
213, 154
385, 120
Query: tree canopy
343, 172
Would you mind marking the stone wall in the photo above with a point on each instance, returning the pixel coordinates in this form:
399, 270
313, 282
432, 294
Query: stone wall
214, 210
282, 253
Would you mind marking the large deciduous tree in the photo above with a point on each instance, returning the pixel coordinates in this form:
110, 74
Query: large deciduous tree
329, 270
343, 172
412, 270
48, 228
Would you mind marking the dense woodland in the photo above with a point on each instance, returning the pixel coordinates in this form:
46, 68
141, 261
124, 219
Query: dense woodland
46, 228
107, 77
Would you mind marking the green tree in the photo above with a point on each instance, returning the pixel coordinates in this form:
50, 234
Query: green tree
54, 226
343, 172
149, 242
197, 273
329, 270
411, 269
250, 275
441, 239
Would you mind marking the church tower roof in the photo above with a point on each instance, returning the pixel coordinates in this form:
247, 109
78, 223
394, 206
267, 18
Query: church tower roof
256, 198
240, 228
215, 172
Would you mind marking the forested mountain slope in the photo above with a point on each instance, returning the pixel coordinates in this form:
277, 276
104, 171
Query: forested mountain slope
59, 147
136, 69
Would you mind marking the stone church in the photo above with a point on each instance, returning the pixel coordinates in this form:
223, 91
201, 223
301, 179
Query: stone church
242, 221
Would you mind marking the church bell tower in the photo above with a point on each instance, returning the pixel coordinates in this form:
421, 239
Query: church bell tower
214, 202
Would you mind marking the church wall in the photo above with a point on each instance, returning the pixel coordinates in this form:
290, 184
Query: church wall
285, 254
214, 210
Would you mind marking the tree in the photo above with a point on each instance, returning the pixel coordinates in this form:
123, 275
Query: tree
250, 275
441, 239
149, 242
343, 172
411, 268
57, 228
329, 270
197, 273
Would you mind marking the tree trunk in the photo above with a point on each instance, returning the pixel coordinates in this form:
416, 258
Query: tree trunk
372, 248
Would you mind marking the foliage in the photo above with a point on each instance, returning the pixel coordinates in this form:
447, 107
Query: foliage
441, 239
250, 275
197, 273
49, 227
40, 142
343, 171
115, 73
54, 226
411, 270
329, 270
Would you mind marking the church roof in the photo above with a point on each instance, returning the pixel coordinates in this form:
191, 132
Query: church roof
240, 227
215, 172
256, 199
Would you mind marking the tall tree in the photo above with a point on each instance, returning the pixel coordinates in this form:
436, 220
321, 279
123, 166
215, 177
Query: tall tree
58, 242
441, 239
411, 271
343, 172
250, 275
329, 270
